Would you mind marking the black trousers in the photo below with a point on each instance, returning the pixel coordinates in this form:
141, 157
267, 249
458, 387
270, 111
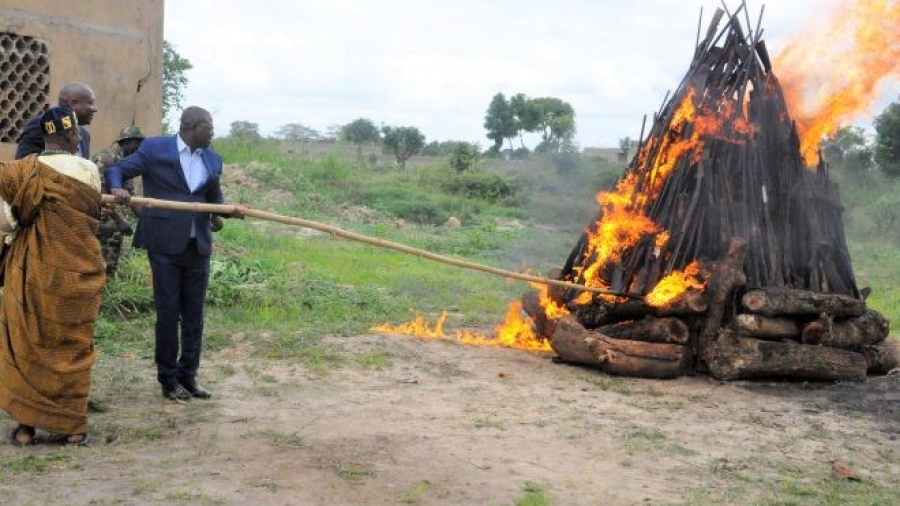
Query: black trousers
179, 292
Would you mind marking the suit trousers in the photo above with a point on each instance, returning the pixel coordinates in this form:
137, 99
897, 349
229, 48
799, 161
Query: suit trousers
179, 293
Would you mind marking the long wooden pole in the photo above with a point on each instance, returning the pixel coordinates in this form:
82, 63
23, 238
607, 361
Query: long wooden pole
198, 207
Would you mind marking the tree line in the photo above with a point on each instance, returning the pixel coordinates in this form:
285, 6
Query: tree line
507, 120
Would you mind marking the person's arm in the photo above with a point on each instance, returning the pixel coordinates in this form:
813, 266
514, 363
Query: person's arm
135, 164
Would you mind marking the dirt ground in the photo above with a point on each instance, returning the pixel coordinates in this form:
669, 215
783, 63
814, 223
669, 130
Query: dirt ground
436, 423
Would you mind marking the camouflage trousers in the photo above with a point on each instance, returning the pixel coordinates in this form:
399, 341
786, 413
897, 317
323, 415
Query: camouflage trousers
111, 241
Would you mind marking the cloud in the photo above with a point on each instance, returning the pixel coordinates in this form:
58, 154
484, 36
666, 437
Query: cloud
437, 65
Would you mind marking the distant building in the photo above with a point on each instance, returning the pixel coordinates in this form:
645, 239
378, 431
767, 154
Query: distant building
621, 155
115, 46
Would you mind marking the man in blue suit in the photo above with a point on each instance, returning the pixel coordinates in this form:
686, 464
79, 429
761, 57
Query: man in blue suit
178, 243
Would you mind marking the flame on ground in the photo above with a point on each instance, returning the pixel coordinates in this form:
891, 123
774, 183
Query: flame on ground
419, 327
515, 332
830, 74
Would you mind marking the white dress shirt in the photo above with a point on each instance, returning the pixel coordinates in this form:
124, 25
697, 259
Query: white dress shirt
195, 171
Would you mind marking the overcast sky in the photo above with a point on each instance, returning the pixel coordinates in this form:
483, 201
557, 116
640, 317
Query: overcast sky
436, 65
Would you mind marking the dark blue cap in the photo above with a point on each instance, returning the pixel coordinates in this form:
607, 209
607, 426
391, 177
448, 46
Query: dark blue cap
58, 119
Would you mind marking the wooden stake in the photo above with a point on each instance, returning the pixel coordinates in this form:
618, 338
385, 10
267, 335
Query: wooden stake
198, 207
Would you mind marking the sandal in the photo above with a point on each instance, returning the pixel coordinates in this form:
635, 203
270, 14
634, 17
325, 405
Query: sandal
84, 441
13, 439
63, 440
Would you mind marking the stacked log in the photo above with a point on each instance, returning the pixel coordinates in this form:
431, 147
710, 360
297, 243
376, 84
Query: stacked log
663, 357
801, 334
792, 335
719, 182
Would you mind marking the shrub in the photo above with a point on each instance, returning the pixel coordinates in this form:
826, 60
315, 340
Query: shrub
885, 213
130, 292
482, 185
463, 156
231, 279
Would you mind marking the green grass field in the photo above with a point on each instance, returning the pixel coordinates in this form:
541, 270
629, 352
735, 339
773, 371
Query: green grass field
516, 215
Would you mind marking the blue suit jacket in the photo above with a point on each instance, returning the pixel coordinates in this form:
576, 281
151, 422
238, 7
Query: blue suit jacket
164, 230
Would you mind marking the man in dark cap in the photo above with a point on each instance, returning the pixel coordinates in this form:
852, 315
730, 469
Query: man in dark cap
76, 96
53, 276
114, 228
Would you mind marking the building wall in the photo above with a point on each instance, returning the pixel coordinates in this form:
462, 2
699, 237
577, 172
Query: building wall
611, 155
115, 46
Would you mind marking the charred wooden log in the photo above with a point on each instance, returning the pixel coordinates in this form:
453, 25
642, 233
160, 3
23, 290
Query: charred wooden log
649, 329
735, 357
635, 358
572, 342
727, 273
543, 326
576, 344
881, 358
599, 312
773, 301
765, 327
870, 328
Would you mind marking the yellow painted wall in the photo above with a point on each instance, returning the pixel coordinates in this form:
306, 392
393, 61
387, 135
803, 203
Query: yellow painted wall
115, 46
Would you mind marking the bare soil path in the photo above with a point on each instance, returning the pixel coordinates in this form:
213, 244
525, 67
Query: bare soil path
436, 423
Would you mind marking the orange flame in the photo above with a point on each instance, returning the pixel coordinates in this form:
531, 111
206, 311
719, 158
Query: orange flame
419, 327
675, 284
830, 74
623, 222
515, 332
552, 310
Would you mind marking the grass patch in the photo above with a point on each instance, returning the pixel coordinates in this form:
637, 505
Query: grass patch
377, 360
351, 473
642, 439
533, 495
612, 384
414, 495
280, 439
32, 463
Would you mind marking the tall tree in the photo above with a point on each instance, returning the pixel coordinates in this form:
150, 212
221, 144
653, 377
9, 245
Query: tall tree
527, 114
297, 132
359, 132
403, 141
849, 148
887, 140
500, 122
244, 130
557, 122
175, 80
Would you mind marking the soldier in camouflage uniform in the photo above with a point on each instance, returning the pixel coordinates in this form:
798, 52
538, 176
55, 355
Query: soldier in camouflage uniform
113, 229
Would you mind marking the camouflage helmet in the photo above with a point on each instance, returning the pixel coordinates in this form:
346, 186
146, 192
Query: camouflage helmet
130, 132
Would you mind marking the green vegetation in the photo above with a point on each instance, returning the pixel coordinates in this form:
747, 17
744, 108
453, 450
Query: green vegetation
283, 289
770, 483
175, 80
533, 495
553, 118
887, 142
404, 142
872, 216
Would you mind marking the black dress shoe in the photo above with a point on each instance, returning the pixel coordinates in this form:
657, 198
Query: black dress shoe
195, 389
176, 392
